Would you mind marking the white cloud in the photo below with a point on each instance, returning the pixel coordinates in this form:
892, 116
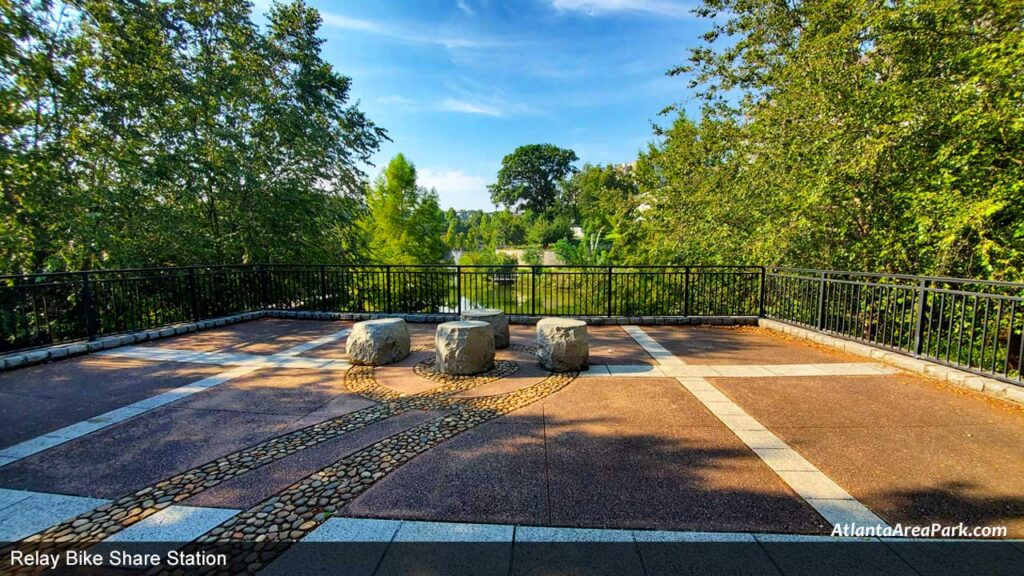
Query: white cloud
398, 101
341, 22
456, 189
595, 7
467, 107
465, 7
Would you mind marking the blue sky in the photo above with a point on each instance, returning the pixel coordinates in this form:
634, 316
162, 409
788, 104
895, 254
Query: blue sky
460, 83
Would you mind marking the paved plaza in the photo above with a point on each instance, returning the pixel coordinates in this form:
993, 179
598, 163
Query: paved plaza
263, 432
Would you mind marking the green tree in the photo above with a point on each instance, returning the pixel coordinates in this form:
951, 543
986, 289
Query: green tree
602, 195
845, 134
589, 251
529, 177
148, 132
404, 222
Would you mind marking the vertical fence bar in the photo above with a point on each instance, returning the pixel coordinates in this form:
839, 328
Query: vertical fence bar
193, 294
760, 309
87, 308
323, 288
533, 290
609, 314
387, 289
261, 280
686, 291
922, 293
820, 323
458, 290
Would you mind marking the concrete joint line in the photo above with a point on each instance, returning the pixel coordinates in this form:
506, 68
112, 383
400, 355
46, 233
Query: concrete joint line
829, 499
46, 441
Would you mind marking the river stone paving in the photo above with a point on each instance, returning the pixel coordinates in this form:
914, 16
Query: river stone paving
292, 514
113, 517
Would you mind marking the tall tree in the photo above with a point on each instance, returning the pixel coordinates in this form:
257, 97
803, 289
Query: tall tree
149, 132
847, 134
404, 221
529, 177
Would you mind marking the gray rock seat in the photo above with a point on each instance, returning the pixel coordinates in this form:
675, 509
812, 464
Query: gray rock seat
378, 342
562, 344
464, 347
496, 318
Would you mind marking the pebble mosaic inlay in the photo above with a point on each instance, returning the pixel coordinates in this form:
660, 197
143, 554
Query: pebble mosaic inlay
113, 517
265, 531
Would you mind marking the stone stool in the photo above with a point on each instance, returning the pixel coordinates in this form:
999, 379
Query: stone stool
562, 344
464, 347
378, 342
496, 318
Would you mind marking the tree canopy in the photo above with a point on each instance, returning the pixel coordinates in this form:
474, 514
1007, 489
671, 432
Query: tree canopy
529, 177
151, 132
885, 136
847, 134
404, 223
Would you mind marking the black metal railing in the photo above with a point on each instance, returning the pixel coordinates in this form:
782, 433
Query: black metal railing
974, 325
45, 309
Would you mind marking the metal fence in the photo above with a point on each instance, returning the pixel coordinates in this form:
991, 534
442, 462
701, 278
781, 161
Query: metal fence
43, 309
974, 325
969, 324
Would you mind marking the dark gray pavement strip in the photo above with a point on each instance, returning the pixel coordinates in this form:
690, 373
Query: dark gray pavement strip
912, 450
46, 397
742, 345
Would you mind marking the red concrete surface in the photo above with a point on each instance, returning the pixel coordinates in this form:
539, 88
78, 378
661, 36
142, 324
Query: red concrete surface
609, 452
742, 345
263, 336
914, 451
43, 398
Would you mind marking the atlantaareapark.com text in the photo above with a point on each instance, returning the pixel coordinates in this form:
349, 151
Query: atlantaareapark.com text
936, 530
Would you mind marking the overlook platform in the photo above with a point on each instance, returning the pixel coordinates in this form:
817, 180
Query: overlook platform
721, 432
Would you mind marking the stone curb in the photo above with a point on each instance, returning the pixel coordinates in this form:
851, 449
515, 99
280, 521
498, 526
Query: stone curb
41, 355
983, 384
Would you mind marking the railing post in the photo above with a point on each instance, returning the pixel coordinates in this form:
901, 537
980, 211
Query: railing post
261, 279
458, 290
922, 292
760, 313
820, 323
533, 290
193, 294
609, 291
686, 291
323, 288
387, 289
87, 307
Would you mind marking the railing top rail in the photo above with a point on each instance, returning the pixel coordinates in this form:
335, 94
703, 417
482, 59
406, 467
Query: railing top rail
942, 279
173, 269
121, 270
597, 266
